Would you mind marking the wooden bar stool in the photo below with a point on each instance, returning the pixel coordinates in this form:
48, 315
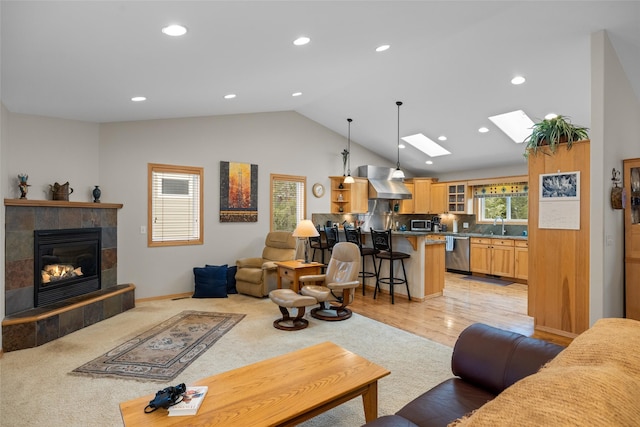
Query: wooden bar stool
382, 242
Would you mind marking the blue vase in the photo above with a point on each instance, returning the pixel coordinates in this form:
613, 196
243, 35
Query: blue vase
96, 194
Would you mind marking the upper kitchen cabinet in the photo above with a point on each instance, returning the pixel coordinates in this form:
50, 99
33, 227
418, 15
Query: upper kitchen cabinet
407, 206
456, 197
349, 198
632, 238
439, 197
422, 195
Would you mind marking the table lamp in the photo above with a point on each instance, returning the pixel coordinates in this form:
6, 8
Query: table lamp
304, 230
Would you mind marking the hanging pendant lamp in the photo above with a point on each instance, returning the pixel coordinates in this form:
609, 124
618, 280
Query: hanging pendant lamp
398, 174
349, 179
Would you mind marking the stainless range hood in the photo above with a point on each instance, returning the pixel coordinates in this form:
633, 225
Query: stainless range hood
381, 186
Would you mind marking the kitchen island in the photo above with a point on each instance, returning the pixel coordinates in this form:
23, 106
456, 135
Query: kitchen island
425, 267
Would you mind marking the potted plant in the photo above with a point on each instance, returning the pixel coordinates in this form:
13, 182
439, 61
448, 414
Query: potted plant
551, 132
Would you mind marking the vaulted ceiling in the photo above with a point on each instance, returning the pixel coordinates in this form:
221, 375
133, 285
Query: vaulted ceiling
449, 62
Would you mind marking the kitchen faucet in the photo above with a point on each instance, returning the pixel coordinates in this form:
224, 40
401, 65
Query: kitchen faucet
495, 222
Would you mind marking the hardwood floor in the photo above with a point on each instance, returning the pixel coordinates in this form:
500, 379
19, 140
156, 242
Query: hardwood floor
464, 302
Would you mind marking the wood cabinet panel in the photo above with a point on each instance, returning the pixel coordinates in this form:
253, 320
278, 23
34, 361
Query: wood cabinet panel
407, 205
480, 258
349, 198
559, 259
632, 238
492, 256
521, 256
438, 198
422, 195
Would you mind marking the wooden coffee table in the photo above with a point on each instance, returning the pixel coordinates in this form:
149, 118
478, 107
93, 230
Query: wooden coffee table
281, 391
294, 270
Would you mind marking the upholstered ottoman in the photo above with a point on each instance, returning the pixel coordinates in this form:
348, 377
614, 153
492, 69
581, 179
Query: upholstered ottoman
286, 298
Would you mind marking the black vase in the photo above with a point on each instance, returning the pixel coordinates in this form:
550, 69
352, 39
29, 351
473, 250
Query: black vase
96, 194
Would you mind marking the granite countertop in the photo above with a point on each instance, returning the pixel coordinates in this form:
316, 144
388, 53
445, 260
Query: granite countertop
447, 233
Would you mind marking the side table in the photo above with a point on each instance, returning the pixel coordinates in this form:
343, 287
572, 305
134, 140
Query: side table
295, 269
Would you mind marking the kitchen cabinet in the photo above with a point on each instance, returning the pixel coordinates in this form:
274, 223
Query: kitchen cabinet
456, 197
521, 258
439, 197
492, 256
632, 238
422, 195
349, 198
407, 206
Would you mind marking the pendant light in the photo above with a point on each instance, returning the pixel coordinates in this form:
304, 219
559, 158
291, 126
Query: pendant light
398, 174
349, 179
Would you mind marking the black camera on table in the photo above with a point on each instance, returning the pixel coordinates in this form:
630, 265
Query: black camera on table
167, 397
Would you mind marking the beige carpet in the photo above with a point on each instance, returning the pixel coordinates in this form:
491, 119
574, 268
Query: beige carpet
36, 389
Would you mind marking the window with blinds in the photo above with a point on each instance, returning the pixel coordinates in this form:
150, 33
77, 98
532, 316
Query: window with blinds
288, 201
509, 201
175, 205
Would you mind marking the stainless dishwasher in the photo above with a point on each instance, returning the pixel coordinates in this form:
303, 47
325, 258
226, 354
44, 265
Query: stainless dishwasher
458, 258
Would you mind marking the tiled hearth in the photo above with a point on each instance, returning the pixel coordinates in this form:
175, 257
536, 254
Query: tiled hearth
21, 219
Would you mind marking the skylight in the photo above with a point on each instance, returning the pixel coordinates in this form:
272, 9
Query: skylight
516, 124
427, 146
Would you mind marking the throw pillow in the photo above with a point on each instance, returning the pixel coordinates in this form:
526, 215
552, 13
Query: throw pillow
231, 278
211, 282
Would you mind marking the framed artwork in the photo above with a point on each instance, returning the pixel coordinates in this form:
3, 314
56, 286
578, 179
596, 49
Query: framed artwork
238, 192
560, 186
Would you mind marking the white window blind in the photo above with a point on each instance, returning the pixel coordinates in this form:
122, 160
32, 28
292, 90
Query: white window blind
175, 205
288, 201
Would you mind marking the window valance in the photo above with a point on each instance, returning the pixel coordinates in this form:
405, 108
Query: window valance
513, 189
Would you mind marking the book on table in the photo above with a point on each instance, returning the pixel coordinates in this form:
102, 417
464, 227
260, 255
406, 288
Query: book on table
190, 403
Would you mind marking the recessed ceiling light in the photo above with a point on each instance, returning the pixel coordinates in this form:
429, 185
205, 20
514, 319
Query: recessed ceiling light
427, 146
551, 116
518, 80
429, 162
174, 30
230, 96
483, 130
401, 145
300, 41
296, 94
516, 124
382, 48
138, 98
442, 138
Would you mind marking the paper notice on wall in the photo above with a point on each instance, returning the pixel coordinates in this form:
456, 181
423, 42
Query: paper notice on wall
561, 214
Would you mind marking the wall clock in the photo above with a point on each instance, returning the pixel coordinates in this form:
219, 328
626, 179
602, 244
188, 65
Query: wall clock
318, 190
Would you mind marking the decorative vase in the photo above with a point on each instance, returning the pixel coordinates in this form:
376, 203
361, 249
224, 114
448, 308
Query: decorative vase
96, 194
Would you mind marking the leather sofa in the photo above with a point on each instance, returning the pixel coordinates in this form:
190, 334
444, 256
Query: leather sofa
257, 276
485, 361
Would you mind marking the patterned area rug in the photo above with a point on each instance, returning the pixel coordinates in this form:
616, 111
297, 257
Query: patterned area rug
164, 351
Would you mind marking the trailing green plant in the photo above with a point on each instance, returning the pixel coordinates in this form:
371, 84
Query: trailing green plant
552, 132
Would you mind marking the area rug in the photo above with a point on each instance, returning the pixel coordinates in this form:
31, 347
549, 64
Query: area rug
489, 280
164, 351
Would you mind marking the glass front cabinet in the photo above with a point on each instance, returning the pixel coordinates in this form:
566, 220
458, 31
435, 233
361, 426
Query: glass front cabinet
632, 237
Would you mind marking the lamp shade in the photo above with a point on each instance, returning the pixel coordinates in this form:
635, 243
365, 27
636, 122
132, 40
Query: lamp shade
305, 229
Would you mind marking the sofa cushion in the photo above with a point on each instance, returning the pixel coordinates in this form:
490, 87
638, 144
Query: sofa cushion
444, 403
210, 282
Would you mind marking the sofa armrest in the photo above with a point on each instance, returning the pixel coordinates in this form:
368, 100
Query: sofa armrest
249, 263
269, 265
312, 278
489, 357
343, 285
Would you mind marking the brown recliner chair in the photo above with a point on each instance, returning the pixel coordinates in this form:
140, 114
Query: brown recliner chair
338, 283
258, 276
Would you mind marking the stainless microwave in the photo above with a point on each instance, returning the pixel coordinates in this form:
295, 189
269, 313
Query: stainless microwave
420, 225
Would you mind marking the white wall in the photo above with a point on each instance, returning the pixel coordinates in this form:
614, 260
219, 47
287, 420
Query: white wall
615, 126
512, 170
283, 143
51, 150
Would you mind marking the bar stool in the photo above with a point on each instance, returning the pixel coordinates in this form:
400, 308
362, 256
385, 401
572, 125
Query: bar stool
331, 236
318, 243
354, 235
382, 242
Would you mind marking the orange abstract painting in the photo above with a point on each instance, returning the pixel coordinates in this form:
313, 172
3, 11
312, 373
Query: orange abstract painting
238, 192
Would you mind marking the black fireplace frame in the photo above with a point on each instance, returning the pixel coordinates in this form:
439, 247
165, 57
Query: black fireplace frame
69, 288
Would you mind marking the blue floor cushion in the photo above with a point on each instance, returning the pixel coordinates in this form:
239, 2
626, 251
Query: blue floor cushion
211, 281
